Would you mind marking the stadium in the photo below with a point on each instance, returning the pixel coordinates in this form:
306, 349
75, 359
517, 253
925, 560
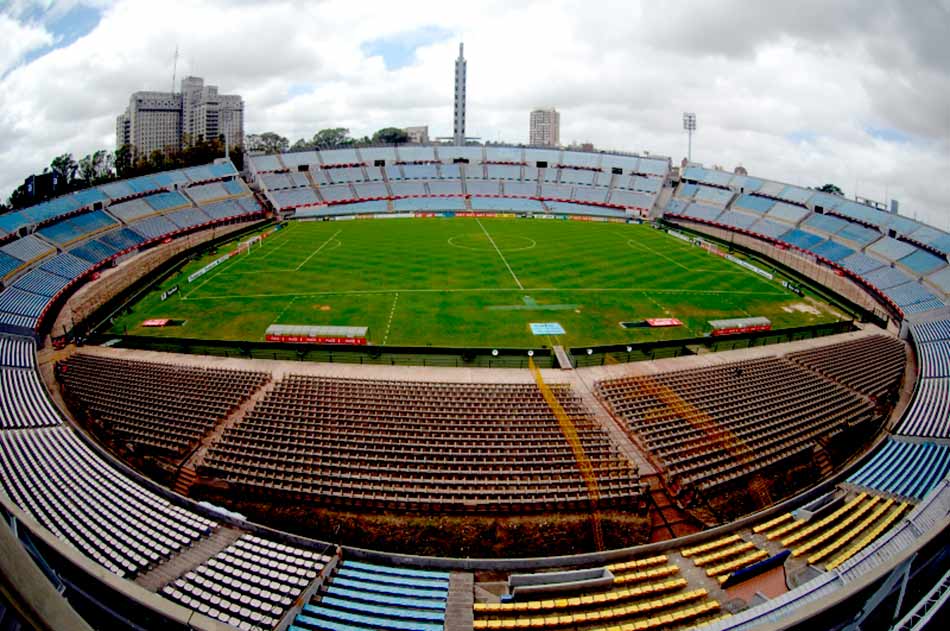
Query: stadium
312, 395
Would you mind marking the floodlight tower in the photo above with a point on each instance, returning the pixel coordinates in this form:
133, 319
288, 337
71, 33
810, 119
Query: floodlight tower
689, 124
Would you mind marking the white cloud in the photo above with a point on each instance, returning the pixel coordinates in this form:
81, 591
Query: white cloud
18, 39
621, 74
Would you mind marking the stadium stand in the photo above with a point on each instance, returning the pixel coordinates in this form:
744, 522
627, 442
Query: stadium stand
207, 193
131, 210
249, 584
903, 469
645, 594
375, 206
93, 250
446, 187
153, 228
482, 187
921, 262
709, 426
847, 363
295, 198
370, 596
823, 224
188, 218
17, 352
569, 208
121, 239
462, 447
163, 407
120, 525
503, 204
13, 300
25, 402
167, 200
41, 282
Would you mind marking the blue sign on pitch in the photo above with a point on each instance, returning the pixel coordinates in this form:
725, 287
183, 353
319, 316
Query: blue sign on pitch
547, 328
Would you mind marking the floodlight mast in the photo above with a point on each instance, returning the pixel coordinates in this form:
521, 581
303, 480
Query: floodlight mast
689, 124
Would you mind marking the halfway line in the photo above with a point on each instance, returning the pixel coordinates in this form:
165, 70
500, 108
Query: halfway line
317, 251
503, 259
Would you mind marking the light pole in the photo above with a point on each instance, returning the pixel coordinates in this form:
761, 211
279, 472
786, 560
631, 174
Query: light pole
689, 124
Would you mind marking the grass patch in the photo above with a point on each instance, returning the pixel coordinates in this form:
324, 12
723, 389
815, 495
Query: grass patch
467, 282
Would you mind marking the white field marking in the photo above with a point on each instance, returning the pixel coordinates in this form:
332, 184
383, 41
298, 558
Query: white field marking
503, 259
284, 310
317, 251
336, 243
632, 243
275, 248
451, 241
237, 258
649, 297
362, 292
389, 323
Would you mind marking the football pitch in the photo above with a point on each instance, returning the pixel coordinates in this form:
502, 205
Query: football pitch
468, 282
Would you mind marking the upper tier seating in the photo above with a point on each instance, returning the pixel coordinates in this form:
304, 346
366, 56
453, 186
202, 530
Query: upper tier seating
17, 352
462, 447
27, 249
249, 584
164, 407
907, 470
24, 402
52, 475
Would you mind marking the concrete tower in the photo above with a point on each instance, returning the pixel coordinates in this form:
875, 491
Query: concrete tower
459, 127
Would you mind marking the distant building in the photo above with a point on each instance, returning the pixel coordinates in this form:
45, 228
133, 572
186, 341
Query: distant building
163, 120
418, 135
740, 170
545, 128
459, 122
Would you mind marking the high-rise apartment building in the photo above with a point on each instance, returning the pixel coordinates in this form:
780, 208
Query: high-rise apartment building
162, 120
545, 128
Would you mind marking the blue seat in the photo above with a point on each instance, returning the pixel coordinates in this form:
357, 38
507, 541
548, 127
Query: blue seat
393, 580
416, 592
385, 599
385, 611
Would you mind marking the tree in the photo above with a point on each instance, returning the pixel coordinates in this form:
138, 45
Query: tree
123, 161
832, 189
268, 142
95, 167
64, 167
301, 145
391, 136
332, 137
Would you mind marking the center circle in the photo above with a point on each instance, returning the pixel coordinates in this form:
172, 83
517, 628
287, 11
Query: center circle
479, 242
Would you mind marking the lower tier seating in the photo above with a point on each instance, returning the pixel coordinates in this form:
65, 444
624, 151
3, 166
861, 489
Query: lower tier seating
162, 406
848, 363
709, 426
419, 446
368, 596
645, 594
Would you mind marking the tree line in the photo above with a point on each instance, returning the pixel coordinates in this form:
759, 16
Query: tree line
331, 138
101, 167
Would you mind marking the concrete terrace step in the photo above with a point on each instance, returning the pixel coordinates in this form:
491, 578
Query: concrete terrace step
189, 558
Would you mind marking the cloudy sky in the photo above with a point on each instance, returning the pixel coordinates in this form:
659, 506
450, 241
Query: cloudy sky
852, 92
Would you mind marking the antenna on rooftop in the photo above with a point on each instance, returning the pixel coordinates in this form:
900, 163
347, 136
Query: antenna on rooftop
174, 69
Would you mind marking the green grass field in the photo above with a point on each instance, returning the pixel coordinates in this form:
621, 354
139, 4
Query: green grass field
469, 282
